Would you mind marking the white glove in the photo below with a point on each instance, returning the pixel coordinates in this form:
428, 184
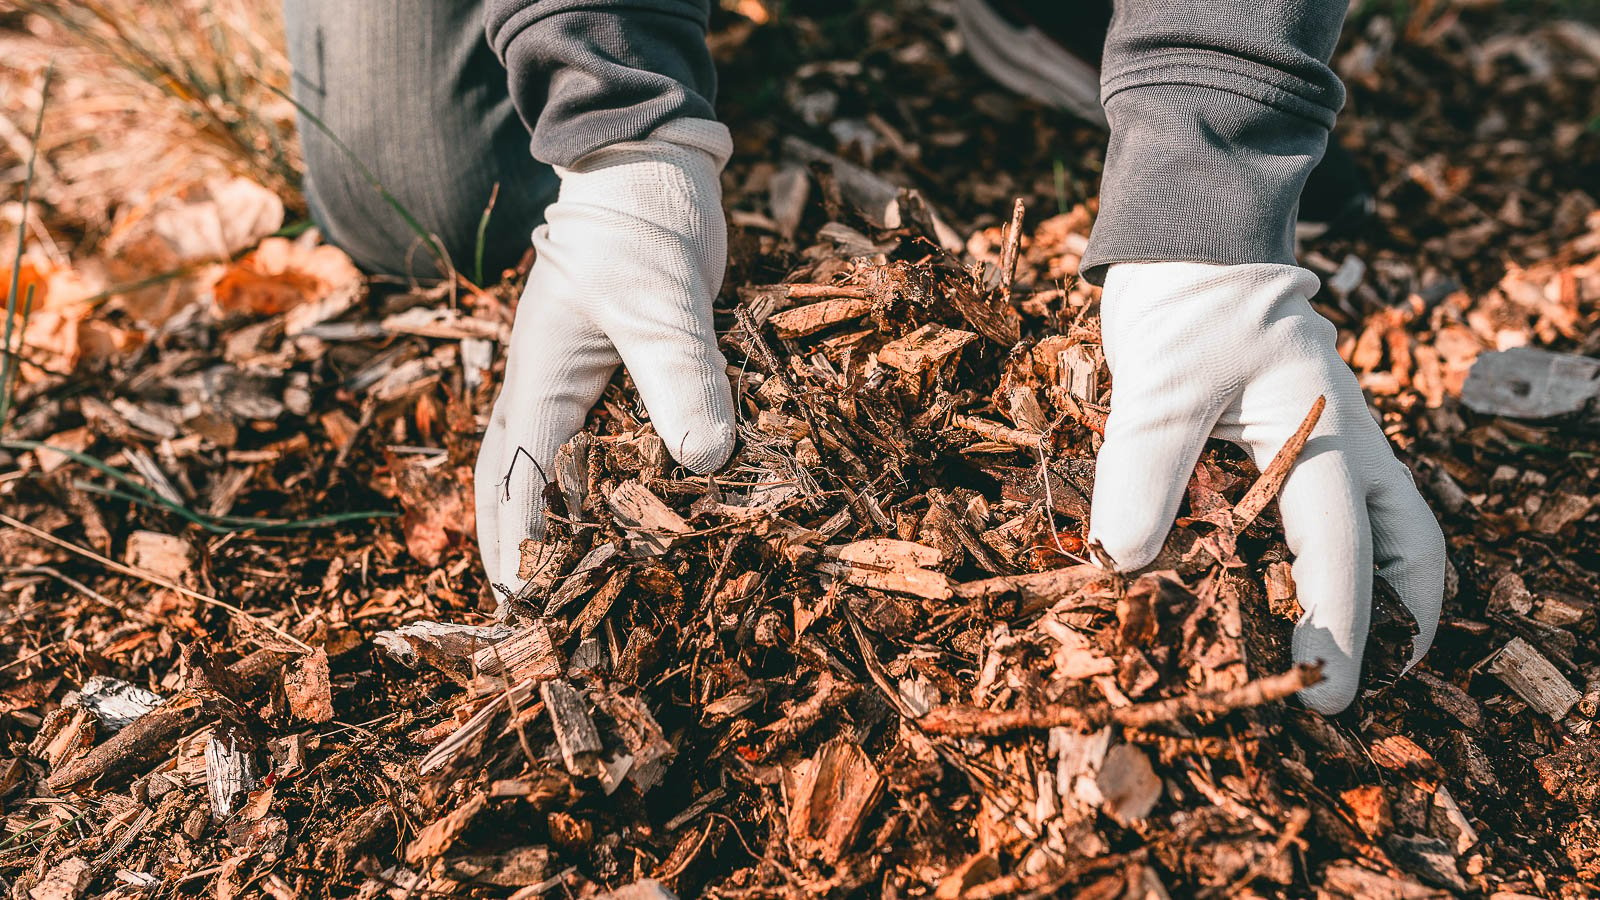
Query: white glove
630, 257
1237, 352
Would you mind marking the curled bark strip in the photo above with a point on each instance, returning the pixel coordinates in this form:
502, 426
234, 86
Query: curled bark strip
964, 721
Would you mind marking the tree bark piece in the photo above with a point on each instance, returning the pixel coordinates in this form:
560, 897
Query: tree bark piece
967, 721
814, 317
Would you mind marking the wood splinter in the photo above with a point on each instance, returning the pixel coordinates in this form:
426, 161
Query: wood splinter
1271, 481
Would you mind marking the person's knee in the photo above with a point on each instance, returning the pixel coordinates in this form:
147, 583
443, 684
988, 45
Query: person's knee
404, 149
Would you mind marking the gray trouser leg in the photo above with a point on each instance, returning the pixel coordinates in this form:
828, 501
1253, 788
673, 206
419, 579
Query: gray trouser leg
413, 91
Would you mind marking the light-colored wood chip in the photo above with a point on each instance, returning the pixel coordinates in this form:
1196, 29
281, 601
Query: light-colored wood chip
1535, 679
927, 348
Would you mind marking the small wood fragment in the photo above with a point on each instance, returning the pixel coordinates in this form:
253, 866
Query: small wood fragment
643, 889
167, 555
441, 834
574, 728
647, 744
1534, 678
994, 431
308, 687
447, 647
1080, 373
518, 867
651, 524
889, 565
1011, 250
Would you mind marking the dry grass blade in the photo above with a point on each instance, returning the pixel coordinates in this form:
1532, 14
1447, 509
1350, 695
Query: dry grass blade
249, 620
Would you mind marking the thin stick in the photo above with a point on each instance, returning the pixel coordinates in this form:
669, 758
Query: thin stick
1272, 478
154, 579
1010, 251
994, 431
971, 722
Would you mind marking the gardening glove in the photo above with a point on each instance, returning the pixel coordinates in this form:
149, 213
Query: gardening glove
629, 259
1237, 352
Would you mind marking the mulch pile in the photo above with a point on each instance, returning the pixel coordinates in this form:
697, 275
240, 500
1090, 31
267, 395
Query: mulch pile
248, 650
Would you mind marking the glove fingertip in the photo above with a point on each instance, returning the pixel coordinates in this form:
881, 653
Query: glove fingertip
1331, 696
1129, 549
705, 450
1341, 671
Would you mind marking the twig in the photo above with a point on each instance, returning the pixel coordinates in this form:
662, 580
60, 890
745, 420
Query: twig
968, 721
155, 579
1010, 251
1272, 478
1298, 820
826, 292
994, 431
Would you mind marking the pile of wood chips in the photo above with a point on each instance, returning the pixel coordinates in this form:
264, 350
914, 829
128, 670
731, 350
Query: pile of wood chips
873, 657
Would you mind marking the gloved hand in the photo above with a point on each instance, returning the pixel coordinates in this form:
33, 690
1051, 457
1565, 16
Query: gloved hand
1237, 352
629, 260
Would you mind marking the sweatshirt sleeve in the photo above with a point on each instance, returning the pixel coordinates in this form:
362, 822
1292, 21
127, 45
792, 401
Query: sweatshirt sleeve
587, 73
1218, 111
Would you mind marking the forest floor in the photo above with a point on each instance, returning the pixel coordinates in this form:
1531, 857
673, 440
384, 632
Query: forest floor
246, 648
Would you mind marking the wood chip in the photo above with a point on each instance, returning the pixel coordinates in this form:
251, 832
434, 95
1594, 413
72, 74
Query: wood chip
889, 565
651, 524
1534, 678
529, 654
307, 685
927, 348
830, 796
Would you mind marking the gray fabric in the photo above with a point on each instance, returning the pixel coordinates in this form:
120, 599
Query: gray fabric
1218, 112
587, 73
414, 92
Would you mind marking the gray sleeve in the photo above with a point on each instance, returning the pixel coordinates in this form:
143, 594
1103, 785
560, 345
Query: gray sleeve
1218, 110
588, 73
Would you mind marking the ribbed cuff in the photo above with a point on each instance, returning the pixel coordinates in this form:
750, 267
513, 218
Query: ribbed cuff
1196, 173
585, 74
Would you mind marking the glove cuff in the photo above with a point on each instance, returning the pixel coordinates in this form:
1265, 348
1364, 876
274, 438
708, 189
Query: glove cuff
702, 137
